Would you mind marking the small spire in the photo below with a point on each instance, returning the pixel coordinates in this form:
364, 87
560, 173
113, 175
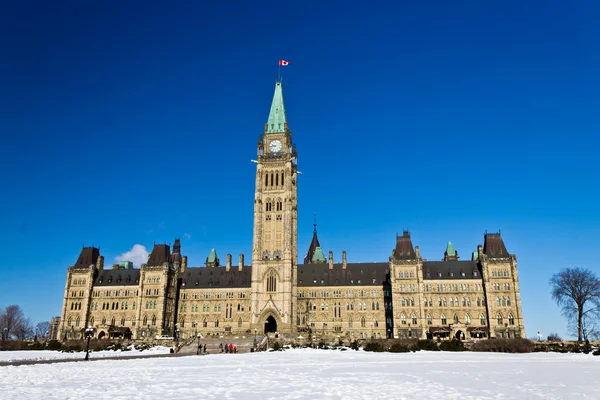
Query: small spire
315, 223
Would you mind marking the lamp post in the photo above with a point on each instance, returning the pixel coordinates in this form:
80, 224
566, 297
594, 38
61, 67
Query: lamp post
255, 339
198, 351
89, 332
5, 337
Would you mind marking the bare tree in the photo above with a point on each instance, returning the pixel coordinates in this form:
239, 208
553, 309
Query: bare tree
24, 330
577, 292
42, 329
10, 319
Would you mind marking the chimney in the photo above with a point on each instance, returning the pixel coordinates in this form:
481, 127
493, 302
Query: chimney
115, 266
344, 259
183, 263
417, 252
241, 262
228, 262
100, 263
331, 260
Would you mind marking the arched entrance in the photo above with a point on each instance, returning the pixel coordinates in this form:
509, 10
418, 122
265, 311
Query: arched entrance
460, 335
101, 335
270, 325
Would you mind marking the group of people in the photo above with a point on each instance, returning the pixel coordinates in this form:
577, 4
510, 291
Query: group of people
228, 348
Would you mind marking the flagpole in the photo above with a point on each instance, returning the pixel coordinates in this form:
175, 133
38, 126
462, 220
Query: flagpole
279, 72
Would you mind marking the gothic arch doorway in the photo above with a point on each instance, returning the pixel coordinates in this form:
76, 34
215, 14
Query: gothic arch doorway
270, 325
460, 335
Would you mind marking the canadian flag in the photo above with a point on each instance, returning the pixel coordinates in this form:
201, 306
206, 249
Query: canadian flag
283, 63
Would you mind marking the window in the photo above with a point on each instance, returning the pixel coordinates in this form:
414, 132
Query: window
499, 319
403, 319
414, 318
363, 322
443, 318
511, 319
216, 323
429, 319
239, 322
205, 323
153, 320
467, 319
455, 319
481, 320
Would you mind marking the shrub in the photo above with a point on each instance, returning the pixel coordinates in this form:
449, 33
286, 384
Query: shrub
53, 345
505, 345
70, 348
322, 345
142, 346
452, 345
427, 345
277, 346
596, 352
354, 345
399, 348
374, 346
553, 337
36, 346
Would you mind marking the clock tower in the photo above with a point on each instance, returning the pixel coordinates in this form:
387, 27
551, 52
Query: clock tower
275, 240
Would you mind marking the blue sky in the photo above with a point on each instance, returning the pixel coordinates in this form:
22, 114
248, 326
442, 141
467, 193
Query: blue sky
129, 123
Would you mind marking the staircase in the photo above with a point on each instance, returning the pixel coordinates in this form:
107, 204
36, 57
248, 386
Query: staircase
244, 344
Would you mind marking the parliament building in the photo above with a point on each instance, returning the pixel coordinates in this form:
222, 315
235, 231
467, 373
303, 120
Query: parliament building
404, 297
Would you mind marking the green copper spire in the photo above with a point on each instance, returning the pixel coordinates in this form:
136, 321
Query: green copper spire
450, 249
277, 119
212, 260
318, 257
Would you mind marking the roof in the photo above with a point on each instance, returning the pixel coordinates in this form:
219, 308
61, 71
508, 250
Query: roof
435, 270
277, 119
313, 246
404, 249
493, 246
161, 254
216, 277
355, 274
212, 257
176, 254
318, 257
450, 249
87, 257
118, 277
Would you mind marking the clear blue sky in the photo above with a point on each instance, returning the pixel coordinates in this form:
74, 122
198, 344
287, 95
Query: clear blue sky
132, 123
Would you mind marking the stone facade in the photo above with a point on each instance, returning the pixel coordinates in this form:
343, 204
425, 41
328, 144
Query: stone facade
406, 296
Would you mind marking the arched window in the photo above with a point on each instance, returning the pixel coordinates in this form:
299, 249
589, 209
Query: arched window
498, 301
271, 281
350, 322
154, 320
182, 322
266, 179
443, 317
444, 301
455, 319
377, 306
133, 321
122, 321
478, 302
511, 319
133, 306
282, 175
467, 319
112, 321
429, 319
92, 321
373, 306
277, 179
499, 318
403, 319
216, 323
104, 321
414, 318
451, 302
69, 321
481, 319
271, 179
204, 323
239, 322
363, 322
77, 321
504, 301
508, 301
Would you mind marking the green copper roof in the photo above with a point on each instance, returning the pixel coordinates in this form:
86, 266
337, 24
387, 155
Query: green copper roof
475, 256
318, 256
212, 257
450, 249
277, 119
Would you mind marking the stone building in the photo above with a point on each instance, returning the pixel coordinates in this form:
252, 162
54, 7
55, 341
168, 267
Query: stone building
405, 296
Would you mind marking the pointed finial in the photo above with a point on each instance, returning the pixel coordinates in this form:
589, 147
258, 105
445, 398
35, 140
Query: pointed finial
315, 222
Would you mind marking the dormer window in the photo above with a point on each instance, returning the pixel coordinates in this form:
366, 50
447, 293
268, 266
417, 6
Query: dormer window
439, 274
474, 273
450, 273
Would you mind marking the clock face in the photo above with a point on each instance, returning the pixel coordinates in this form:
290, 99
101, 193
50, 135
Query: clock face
275, 146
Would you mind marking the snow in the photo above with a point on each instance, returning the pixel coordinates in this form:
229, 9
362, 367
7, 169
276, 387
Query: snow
7, 356
313, 374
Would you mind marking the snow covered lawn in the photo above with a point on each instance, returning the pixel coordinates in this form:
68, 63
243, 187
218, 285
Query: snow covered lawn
54, 355
313, 374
